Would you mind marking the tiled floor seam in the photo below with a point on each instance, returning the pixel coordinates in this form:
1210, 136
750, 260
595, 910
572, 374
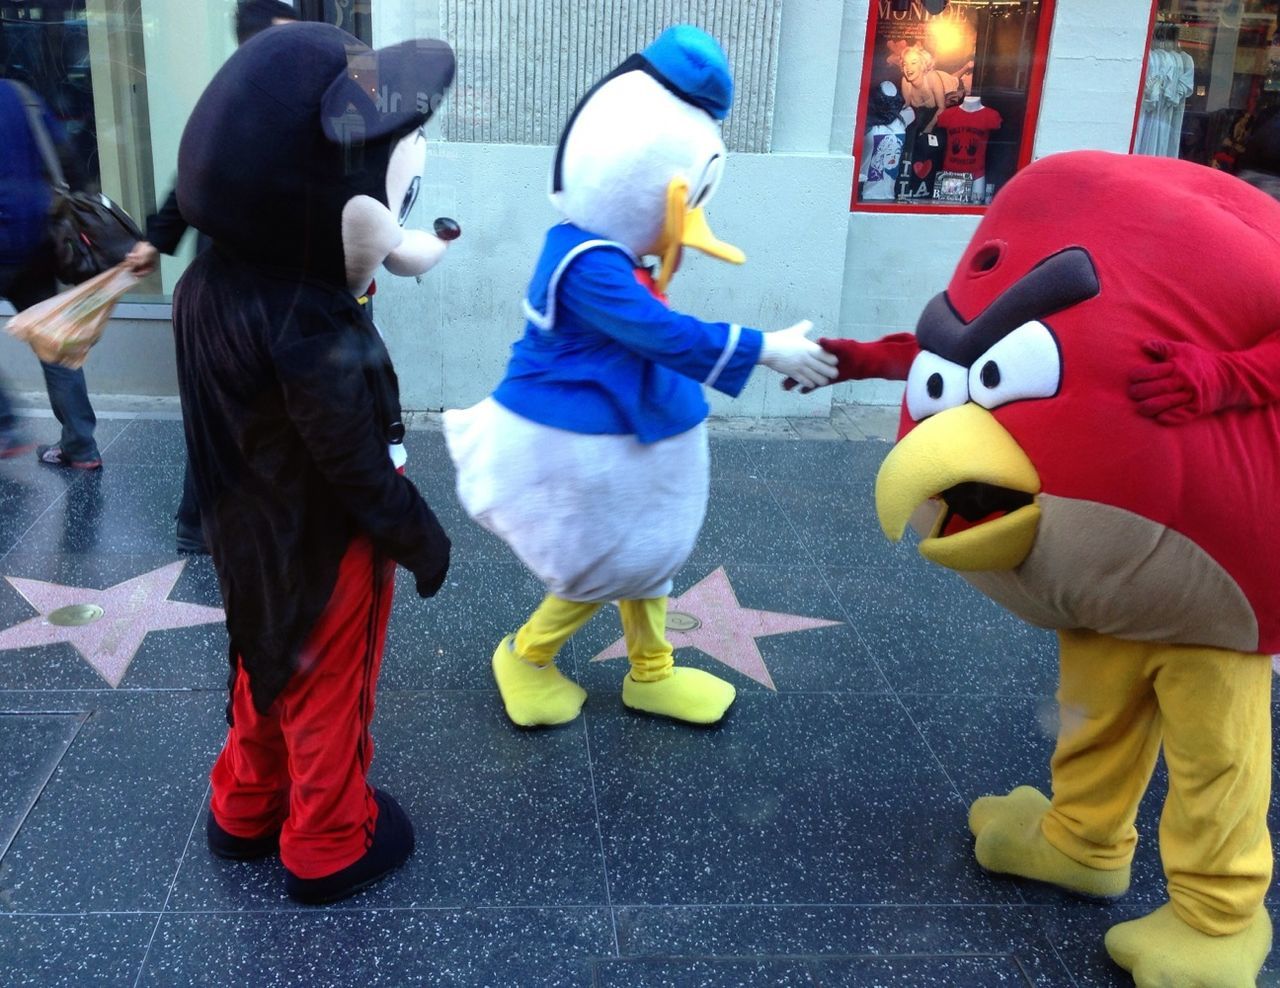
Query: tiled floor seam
173, 883
82, 718
61, 495
857, 632
826, 583
40, 517
1057, 955
595, 808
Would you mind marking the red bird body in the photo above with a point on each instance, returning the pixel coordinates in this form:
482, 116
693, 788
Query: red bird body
1186, 259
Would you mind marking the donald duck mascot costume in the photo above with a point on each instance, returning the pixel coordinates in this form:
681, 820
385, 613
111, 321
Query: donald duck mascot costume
590, 458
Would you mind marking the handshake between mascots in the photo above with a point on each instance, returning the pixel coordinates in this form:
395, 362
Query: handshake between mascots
1091, 436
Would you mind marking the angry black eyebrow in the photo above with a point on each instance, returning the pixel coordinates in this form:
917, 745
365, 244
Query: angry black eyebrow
1062, 280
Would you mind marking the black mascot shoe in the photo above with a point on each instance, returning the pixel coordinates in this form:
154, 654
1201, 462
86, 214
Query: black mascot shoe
233, 848
391, 847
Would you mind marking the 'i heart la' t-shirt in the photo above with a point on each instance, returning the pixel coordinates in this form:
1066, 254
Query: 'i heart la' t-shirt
967, 135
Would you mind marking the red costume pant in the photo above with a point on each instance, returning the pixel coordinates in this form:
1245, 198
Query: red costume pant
302, 766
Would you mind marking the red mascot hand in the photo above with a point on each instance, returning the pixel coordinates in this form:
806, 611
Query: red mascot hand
889, 358
1187, 382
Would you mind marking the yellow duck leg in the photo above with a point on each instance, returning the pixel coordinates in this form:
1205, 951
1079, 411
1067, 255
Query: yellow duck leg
1119, 700
534, 692
655, 684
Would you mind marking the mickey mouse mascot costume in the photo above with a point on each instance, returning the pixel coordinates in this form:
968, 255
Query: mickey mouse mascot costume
1091, 436
301, 161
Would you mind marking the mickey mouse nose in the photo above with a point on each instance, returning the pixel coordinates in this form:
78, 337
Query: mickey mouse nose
447, 229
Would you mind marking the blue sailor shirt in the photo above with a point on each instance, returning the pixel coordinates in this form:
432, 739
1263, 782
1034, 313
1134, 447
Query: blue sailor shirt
601, 355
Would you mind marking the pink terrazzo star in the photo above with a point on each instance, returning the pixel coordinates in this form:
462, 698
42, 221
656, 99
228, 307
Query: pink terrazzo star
725, 629
130, 610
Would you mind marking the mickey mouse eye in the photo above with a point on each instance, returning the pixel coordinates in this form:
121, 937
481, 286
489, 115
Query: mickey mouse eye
1025, 364
934, 385
410, 197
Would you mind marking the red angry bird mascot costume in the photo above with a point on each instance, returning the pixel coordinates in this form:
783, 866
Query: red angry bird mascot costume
1091, 435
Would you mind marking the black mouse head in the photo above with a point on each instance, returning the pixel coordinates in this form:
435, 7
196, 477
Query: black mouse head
306, 150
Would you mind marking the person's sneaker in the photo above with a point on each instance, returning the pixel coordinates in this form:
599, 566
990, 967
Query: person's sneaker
54, 456
11, 446
190, 541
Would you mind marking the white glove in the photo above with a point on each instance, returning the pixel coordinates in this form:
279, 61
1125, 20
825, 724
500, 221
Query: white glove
791, 355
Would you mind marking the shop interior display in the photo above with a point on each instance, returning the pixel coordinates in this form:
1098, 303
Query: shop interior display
969, 127
964, 72
1170, 80
1212, 79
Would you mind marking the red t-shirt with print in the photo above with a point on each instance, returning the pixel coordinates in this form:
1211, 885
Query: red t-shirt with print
967, 134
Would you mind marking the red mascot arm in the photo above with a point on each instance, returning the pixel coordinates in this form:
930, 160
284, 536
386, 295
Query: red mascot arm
889, 357
1186, 381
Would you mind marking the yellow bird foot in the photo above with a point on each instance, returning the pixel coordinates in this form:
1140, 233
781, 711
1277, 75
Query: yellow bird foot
690, 695
1010, 842
1162, 951
535, 696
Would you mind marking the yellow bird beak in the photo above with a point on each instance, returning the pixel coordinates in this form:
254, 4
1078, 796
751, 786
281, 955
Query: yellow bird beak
962, 446
685, 227
698, 235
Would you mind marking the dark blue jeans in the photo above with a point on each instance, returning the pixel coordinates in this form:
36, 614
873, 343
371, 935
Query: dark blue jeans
68, 393
69, 399
8, 422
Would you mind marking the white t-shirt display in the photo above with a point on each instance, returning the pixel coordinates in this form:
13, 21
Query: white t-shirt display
1171, 78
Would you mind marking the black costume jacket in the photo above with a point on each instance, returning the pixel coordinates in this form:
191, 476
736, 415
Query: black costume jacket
166, 226
289, 400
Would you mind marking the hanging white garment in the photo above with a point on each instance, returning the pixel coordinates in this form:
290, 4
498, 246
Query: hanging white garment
1180, 87
1156, 116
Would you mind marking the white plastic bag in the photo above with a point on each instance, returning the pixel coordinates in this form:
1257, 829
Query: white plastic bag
62, 329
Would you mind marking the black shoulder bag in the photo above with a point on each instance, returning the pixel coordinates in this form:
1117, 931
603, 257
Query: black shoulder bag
90, 233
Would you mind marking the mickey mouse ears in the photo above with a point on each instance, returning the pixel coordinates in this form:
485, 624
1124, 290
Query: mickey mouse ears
387, 92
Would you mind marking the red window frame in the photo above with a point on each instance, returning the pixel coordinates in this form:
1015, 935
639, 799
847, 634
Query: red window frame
1035, 88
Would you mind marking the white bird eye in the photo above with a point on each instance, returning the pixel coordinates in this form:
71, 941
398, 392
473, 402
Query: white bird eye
934, 385
1025, 364
705, 187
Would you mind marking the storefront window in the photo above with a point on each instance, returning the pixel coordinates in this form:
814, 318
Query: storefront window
122, 76
353, 16
950, 92
1212, 80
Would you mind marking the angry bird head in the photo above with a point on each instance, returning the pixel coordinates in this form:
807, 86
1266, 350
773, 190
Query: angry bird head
1021, 455
642, 154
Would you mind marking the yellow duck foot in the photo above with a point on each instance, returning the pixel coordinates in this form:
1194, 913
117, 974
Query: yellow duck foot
535, 696
690, 695
1161, 951
1010, 842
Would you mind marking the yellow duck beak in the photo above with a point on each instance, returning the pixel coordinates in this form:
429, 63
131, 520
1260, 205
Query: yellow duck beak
962, 446
685, 227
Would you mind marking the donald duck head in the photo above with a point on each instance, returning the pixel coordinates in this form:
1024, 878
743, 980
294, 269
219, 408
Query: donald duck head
642, 154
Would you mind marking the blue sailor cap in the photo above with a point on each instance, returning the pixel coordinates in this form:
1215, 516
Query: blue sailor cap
694, 67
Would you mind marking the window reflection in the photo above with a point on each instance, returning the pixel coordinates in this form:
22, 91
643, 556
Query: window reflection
1212, 80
